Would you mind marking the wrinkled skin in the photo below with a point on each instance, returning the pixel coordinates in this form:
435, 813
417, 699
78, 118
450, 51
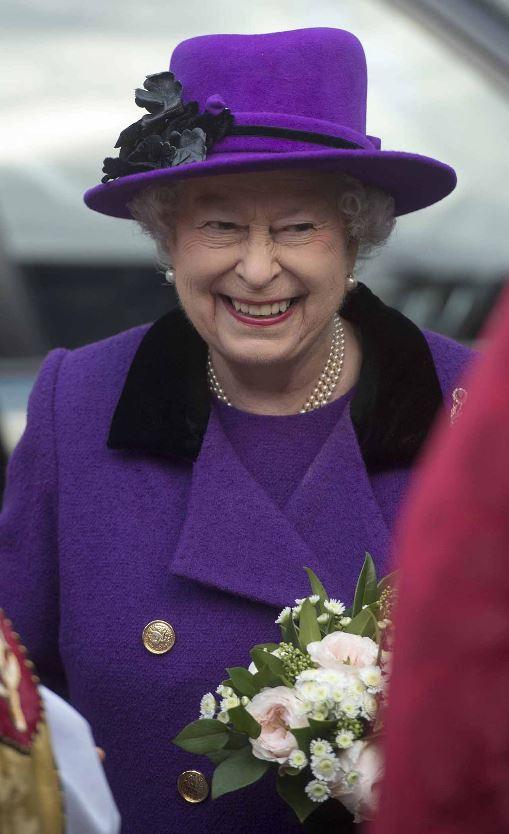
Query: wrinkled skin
265, 236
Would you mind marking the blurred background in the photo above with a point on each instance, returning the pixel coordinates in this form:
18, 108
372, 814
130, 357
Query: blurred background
438, 85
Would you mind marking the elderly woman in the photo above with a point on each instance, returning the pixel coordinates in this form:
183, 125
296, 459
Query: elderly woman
174, 479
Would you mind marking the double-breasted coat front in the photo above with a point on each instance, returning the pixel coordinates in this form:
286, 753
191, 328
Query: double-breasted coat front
126, 503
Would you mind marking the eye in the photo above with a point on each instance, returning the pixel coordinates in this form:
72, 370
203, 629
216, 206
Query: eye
300, 227
221, 226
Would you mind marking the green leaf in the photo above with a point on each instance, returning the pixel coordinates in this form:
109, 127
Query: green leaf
219, 756
316, 585
242, 680
389, 581
321, 729
289, 633
363, 624
309, 630
244, 722
291, 789
206, 735
266, 678
304, 736
274, 665
236, 741
366, 591
237, 771
269, 646
261, 657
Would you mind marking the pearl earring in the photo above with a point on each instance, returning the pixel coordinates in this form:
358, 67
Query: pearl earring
351, 280
170, 276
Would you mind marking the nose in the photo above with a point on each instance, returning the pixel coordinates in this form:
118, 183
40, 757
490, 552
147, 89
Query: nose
258, 265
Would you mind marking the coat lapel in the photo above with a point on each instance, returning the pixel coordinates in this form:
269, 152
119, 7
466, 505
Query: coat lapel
236, 539
164, 405
335, 510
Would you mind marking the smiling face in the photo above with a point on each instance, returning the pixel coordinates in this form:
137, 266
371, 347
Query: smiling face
261, 261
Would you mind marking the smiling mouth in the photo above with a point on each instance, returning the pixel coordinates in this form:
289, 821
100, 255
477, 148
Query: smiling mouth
269, 309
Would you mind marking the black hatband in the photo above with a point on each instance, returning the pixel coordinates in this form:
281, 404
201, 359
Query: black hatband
294, 135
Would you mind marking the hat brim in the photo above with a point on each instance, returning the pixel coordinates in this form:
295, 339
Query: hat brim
415, 181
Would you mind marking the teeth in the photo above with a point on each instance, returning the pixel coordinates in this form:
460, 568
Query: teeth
274, 309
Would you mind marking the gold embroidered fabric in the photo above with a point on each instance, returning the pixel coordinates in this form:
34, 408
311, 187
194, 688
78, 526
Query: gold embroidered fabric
30, 797
30, 791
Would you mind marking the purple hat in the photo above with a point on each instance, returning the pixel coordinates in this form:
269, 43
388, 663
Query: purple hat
281, 100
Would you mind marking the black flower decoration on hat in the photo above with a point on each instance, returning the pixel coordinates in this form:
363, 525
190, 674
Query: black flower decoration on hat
171, 133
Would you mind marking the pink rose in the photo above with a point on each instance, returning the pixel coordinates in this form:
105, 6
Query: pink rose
361, 774
337, 648
276, 709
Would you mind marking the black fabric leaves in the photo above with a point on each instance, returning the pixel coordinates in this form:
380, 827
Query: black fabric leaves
171, 133
160, 96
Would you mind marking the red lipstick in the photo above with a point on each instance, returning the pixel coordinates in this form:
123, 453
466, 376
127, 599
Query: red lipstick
258, 321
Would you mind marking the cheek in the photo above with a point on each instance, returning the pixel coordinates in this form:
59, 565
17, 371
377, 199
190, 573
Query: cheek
321, 267
190, 284
197, 301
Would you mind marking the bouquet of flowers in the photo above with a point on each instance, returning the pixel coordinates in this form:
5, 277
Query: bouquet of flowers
309, 707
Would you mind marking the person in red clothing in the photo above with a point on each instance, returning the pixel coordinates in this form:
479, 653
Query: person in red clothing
447, 742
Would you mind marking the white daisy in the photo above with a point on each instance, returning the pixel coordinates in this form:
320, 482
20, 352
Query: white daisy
230, 702
369, 706
309, 690
345, 739
319, 747
334, 606
320, 714
284, 615
371, 676
317, 791
306, 675
350, 708
298, 759
324, 767
208, 706
351, 778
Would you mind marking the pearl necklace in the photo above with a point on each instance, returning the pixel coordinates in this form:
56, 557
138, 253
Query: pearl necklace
327, 381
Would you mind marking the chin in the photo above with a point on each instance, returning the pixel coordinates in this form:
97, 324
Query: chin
258, 355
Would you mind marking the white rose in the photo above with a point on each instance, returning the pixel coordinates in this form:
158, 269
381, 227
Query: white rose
335, 649
360, 797
276, 709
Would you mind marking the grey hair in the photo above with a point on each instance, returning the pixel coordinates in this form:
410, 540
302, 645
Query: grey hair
367, 211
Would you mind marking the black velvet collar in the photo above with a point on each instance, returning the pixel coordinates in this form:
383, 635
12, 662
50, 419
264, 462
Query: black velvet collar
165, 402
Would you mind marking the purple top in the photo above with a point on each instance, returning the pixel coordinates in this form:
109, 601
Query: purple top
278, 450
96, 542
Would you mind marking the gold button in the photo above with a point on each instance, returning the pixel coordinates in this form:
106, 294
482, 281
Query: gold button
192, 786
158, 637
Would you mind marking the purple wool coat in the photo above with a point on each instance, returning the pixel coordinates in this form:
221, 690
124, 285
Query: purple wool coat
125, 503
